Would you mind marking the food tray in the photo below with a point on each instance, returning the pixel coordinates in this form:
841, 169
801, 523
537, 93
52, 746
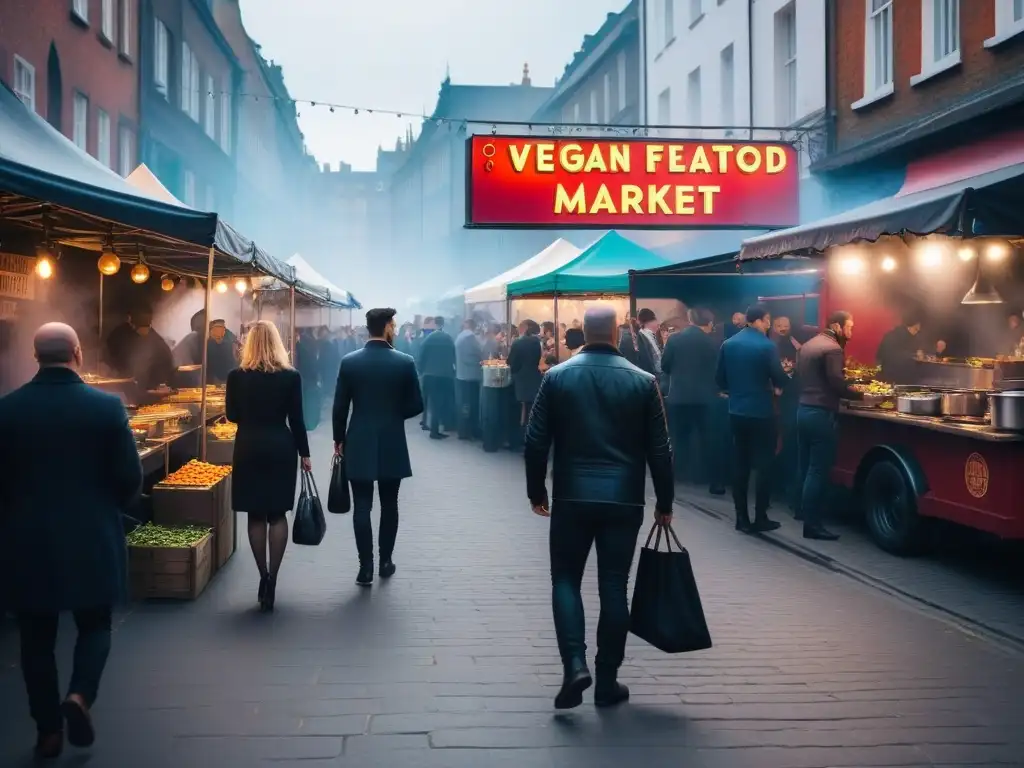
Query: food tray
177, 573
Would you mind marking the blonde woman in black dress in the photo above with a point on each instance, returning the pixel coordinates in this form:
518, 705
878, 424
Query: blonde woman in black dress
264, 398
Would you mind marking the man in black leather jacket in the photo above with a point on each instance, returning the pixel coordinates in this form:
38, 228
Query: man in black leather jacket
606, 419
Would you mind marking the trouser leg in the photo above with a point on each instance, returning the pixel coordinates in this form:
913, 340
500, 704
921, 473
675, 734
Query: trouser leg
387, 491
38, 635
92, 647
615, 543
570, 538
362, 527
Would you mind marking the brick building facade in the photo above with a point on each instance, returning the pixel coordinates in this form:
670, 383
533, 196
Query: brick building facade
75, 62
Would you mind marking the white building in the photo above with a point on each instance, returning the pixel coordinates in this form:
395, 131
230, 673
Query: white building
703, 56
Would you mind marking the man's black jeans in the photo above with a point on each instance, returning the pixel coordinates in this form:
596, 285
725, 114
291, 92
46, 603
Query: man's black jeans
753, 451
468, 402
575, 528
39, 665
362, 505
818, 430
440, 399
684, 420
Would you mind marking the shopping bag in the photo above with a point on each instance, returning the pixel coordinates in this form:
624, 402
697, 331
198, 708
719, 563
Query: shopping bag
666, 609
339, 499
310, 524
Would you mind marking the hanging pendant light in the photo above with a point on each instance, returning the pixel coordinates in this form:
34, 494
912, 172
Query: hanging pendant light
221, 286
44, 263
166, 283
242, 286
109, 263
140, 273
982, 292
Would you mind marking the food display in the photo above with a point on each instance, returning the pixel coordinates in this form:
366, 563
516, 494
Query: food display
148, 416
150, 535
494, 363
195, 394
858, 371
164, 410
96, 379
223, 430
197, 474
874, 388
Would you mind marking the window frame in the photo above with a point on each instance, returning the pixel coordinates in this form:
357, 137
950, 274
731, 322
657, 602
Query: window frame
665, 100
727, 85
80, 98
874, 93
125, 144
930, 66
124, 29
108, 26
80, 10
162, 64
188, 188
210, 106
103, 137
1007, 27
25, 66
787, 74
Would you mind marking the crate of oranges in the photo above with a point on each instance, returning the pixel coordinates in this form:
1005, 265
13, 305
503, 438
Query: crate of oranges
199, 493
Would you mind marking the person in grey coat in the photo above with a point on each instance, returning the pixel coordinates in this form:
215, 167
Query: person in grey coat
70, 471
379, 386
468, 376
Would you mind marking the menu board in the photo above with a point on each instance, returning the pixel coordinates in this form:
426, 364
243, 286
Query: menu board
16, 276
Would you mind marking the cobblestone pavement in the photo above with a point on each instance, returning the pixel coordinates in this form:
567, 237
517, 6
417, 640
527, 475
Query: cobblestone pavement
452, 664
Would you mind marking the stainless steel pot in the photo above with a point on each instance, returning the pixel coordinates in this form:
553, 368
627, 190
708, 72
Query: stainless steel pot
920, 405
964, 403
496, 376
1007, 411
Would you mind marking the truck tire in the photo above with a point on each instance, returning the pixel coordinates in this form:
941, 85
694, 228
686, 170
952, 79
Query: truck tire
890, 509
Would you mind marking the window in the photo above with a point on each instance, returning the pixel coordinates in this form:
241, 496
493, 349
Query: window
576, 112
25, 82
211, 109
125, 38
226, 116
670, 21
665, 107
940, 38
190, 189
125, 151
190, 83
161, 57
80, 126
728, 85
1009, 21
211, 200
607, 98
103, 137
696, 10
622, 81
107, 19
194, 91
785, 65
878, 64
693, 98
81, 9
593, 107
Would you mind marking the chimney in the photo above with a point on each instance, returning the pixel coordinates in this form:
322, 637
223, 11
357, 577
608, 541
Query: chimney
526, 74
327, 167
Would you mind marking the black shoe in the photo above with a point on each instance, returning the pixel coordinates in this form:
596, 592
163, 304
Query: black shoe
49, 745
79, 723
387, 569
608, 695
819, 533
743, 525
717, 490
424, 427
574, 684
438, 436
764, 525
269, 594
262, 593
365, 577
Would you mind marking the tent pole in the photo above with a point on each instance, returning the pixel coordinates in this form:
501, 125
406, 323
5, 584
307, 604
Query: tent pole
350, 318
206, 350
558, 343
508, 324
99, 333
291, 324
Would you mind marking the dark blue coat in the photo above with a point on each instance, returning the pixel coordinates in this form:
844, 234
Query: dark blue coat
68, 469
379, 386
437, 356
749, 370
689, 362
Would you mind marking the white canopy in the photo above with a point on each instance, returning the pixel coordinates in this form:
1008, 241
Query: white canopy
146, 181
305, 272
556, 255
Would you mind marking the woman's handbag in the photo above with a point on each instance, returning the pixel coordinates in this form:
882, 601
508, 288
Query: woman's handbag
339, 498
310, 524
666, 609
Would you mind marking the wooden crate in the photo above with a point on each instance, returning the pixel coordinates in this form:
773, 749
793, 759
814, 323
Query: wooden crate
170, 573
206, 507
220, 451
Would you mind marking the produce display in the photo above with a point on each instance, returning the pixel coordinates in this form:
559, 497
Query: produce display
874, 388
494, 363
861, 371
195, 394
197, 474
182, 537
224, 430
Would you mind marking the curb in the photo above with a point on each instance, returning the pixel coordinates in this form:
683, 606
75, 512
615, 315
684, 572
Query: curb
965, 624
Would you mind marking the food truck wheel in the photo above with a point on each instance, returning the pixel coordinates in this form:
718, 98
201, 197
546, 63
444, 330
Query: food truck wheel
890, 508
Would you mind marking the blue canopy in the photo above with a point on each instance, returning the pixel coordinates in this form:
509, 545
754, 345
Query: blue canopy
603, 268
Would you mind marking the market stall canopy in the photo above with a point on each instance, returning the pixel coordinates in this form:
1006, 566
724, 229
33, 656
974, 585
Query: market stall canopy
556, 255
973, 189
603, 268
727, 287
48, 183
146, 181
305, 272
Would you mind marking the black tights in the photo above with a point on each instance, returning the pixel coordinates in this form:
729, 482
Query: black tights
278, 538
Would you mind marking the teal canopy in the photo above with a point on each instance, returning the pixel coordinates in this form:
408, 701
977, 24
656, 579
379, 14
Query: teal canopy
603, 268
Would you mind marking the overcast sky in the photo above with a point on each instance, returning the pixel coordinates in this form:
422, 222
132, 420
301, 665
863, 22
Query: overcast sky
391, 54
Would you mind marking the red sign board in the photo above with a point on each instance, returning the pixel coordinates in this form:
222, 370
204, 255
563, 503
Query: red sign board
562, 183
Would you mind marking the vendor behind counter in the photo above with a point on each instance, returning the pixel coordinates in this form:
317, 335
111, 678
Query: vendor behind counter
135, 350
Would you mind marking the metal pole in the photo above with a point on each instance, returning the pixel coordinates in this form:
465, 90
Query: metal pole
558, 343
350, 318
508, 324
206, 350
99, 332
291, 323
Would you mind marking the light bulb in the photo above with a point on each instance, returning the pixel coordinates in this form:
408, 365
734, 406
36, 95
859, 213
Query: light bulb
242, 286
965, 253
932, 256
221, 286
996, 252
888, 264
44, 267
140, 274
109, 263
166, 283
851, 266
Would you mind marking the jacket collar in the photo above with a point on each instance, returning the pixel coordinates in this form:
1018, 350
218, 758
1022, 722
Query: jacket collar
57, 374
601, 349
378, 343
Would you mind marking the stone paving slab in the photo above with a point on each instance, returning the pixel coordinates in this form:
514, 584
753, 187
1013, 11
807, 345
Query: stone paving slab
453, 663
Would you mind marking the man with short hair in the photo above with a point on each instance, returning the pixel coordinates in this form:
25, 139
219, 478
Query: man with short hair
436, 364
749, 371
468, 377
378, 384
606, 420
62, 545
822, 386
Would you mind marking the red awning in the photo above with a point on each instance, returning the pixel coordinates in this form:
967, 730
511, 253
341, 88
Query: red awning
961, 163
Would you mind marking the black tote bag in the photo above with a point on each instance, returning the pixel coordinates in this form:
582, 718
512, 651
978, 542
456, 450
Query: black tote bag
666, 609
339, 498
310, 524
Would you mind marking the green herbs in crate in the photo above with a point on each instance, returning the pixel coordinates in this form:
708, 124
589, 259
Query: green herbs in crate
158, 536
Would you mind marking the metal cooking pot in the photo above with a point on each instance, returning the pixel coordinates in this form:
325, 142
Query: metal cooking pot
964, 403
1007, 411
496, 376
920, 405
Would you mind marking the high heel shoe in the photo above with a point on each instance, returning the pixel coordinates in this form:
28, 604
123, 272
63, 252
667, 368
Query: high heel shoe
262, 593
270, 595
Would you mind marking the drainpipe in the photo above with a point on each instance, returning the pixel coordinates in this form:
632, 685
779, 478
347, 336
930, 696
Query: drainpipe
750, 64
642, 21
831, 83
